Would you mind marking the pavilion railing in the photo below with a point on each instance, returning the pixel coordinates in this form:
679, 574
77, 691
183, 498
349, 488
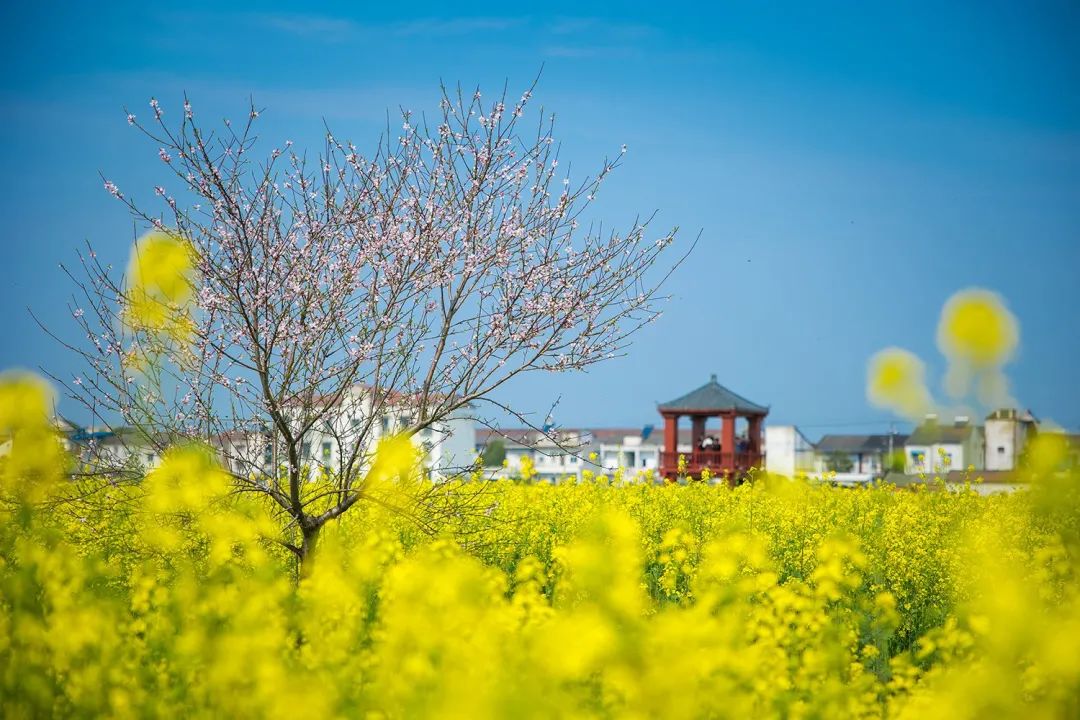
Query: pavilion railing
713, 459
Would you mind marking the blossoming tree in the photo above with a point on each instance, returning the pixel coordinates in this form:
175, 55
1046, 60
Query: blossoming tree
455, 257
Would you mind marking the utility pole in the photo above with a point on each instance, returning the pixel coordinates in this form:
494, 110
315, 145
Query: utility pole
892, 432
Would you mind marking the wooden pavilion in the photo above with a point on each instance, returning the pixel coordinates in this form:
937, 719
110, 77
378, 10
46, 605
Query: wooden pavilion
730, 454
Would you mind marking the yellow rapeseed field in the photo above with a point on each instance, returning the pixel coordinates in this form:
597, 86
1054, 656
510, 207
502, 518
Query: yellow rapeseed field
170, 598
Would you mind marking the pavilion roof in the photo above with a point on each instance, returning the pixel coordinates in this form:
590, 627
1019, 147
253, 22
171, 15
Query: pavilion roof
712, 396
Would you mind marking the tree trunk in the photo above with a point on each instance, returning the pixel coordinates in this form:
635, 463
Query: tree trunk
307, 549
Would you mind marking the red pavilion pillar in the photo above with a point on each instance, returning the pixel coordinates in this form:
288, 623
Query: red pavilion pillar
754, 438
671, 444
727, 441
755, 433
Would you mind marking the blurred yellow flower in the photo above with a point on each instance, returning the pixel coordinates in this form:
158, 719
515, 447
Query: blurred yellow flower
395, 457
188, 479
976, 327
895, 379
25, 401
160, 284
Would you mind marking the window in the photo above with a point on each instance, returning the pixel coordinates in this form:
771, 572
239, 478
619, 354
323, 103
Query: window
384, 424
354, 423
268, 455
305, 451
150, 458
1001, 449
404, 421
326, 453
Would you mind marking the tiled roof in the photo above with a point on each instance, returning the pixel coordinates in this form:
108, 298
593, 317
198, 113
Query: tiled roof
713, 396
1012, 414
387, 395
931, 433
855, 444
616, 436
527, 437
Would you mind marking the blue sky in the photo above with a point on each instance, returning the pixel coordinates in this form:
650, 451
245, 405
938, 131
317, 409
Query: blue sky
849, 166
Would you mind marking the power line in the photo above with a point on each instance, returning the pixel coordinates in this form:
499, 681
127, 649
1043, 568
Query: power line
845, 424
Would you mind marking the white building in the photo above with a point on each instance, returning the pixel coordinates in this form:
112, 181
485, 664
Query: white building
857, 458
351, 430
1007, 434
632, 450
348, 431
787, 451
571, 453
936, 448
554, 457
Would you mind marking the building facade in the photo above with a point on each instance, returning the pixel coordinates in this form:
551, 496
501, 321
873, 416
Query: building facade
1008, 432
573, 454
556, 456
346, 435
788, 452
858, 458
934, 447
350, 431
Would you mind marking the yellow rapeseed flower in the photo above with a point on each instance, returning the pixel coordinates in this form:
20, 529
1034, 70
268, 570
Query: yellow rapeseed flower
977, 328
160, 284
895, 379
396, 459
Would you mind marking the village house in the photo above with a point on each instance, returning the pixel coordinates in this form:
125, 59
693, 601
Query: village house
447, 447
845, 459
935, 447
1008, 432
788, 452
571, 453
552, 456
858, 458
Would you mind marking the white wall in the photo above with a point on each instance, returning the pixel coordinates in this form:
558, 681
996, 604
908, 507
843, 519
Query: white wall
1005, 440
787, 451
454, 444
448, 447
630, 454
913, 464
934, 458
550, 462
